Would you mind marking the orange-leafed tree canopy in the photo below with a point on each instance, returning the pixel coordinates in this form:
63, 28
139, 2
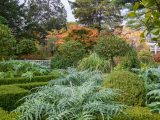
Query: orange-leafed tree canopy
87, 36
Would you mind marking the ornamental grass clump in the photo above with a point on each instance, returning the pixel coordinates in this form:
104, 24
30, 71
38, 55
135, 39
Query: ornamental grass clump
94, 62
77, 96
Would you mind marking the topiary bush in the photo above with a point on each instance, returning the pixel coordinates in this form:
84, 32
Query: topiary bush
131, 86
137, 113
111, 46
68, 54
26, 46
94, 62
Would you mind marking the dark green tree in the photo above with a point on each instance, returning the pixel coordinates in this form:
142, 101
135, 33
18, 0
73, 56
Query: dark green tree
42, 16
96, 12
7, 42
13, 12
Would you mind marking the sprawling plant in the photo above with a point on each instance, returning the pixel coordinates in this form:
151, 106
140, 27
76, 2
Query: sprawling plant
152, 82
77, 96
12, 68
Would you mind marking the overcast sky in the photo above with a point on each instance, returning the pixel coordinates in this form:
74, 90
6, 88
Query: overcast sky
70, 16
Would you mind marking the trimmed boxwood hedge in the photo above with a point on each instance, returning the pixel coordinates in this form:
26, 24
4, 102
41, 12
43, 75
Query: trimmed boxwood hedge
29, 86
45, 78
9, 95
5, 115
137, 113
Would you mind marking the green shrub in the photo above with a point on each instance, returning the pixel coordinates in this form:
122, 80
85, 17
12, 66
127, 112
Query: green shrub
29, 86
7, 43
46, 78
68, 54
58, 62
137, 113
111, 46
130, 61
26, 46
145, 57
58, 73
9, 95
5, 115
3, 20
131, 86
94, 62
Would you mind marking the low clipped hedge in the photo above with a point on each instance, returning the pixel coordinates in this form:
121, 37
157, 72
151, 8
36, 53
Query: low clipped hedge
137, 113
130, 85
30, 86
45, 78
9, 95
5, 115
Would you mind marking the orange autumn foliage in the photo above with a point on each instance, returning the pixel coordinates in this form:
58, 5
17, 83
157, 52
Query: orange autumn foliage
88, 37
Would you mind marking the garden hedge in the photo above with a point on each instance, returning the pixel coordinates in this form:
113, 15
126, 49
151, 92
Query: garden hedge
29, 86
5, 115
10, 94
132, 88
8, 81
137, 113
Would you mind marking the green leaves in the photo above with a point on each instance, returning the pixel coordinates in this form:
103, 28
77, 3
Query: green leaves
151, 17
79, 95
152, 78
136, 6
132, 14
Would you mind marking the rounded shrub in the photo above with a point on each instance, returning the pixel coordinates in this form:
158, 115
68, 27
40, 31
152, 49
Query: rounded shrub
68, 54
26, 46
130, 85
111, 46
137, 113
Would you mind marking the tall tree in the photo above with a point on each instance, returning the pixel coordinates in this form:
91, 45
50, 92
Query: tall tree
96, 12
12, 11
42, 15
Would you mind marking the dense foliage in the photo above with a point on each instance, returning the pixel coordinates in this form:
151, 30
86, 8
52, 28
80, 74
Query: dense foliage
11, 69
94, 13
152, 82
151, 20
131, 86
68, 54
13, 12
111, 46
130, 60
26, 46
79, 95
94, 62
7, 42
137, 113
